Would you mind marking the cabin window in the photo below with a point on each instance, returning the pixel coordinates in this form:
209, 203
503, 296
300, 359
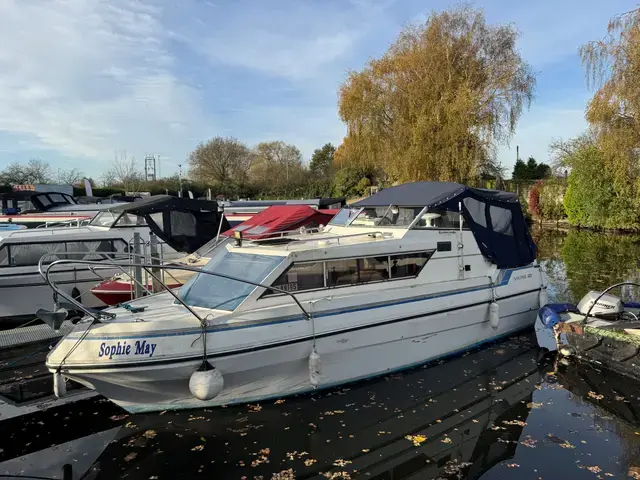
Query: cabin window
44, 200
390, 216
476, 211
103, 219
408, 265
183, 223
301, 276
158, 219
501, 220
129, 220
342, 272
439, 218
350, 271
30, 254
344, 216
57, 198
92, 250
4, 256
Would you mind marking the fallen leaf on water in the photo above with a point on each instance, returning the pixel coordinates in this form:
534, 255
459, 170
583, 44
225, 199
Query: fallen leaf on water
255, 408
529, 442
566, 444
594, 469
309, 461
341, 463
634, 472
115, 418
519, 423
513, 465
203, 439
595, 395
284, 475
279, 401
130, 425
555, 439
535, 405
130, 456
365, 450
149, 434
416, 439
197, 448
446, 440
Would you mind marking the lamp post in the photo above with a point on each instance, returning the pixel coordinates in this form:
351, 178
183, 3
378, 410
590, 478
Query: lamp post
180, 178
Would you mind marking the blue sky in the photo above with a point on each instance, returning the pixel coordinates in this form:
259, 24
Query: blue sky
80, 79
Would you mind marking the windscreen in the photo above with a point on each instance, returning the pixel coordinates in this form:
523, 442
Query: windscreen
210, 291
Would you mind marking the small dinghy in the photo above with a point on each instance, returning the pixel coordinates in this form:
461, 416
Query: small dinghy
601, 329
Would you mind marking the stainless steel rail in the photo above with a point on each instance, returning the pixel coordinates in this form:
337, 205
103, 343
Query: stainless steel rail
148, 266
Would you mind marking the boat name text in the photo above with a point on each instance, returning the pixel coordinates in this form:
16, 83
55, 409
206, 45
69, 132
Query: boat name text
139, 348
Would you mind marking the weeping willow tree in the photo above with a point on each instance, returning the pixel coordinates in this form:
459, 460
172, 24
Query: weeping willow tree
613, 69
438, 102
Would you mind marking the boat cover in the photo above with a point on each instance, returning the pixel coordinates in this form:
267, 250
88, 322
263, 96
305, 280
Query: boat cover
184, 224
494, 217
281, 218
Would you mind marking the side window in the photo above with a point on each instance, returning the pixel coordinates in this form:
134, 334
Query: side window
501, 220
373, 269
408, 265
91, 250
342, 272
182, 223
301, 276
438, 218
4, 256
30, 254
476, 211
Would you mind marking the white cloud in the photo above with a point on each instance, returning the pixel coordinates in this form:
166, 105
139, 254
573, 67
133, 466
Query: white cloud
290, 40
85, 77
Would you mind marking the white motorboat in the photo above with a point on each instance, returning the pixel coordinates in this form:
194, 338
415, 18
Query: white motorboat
413, 273
39, 209
108, 235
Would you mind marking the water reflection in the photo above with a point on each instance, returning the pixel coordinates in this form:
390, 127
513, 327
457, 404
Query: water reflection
578, 261
446, 410
494, 413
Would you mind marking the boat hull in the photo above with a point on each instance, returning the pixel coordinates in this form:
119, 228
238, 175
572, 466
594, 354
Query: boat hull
265, 371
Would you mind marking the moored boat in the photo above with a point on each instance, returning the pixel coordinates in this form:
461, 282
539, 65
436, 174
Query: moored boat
602, 329
273, 223
415, 272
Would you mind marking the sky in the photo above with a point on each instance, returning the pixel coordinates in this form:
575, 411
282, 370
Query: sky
80, 79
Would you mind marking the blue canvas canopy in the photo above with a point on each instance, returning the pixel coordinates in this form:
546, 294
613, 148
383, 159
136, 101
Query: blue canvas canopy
494, 217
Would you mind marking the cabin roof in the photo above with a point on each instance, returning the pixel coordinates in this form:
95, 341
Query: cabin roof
431, 194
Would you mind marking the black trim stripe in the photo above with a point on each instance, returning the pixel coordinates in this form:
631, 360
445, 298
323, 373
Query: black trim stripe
289, 342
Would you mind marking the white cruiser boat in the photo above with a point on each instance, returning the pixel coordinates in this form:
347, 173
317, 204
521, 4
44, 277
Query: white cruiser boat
108, 235
413, 273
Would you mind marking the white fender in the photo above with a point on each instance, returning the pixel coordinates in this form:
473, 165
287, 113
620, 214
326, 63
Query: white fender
494, 314
314, 368
59, 385
206, 383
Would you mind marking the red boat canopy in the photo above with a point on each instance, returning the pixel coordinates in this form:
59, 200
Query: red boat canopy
281, 218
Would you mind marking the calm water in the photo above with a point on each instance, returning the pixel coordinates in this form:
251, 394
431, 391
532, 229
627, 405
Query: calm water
501, 412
